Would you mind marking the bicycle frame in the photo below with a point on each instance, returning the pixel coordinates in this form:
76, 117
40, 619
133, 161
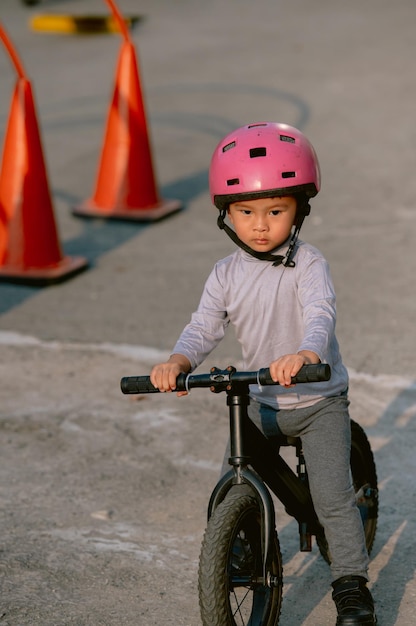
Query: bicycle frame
240, 550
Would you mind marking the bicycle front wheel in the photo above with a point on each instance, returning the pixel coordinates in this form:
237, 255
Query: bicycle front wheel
232, 588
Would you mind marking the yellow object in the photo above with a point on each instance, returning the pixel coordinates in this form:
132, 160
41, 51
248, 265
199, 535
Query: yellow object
79, 24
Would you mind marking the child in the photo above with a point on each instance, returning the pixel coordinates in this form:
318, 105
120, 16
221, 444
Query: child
277, 292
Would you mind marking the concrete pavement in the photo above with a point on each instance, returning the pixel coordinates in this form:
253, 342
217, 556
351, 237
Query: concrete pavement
344, 73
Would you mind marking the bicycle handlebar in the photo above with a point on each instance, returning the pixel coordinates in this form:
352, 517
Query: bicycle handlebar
220, 380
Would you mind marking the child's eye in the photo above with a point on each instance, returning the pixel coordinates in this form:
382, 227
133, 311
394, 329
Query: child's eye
276, 212
246, 212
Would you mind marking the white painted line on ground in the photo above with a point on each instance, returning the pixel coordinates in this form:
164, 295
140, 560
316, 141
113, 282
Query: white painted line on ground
148, 354
136, 353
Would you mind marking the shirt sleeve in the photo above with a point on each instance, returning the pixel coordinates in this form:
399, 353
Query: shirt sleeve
317, 298
208, 323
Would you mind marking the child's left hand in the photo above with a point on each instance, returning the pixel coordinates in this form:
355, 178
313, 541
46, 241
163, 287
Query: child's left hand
289, 365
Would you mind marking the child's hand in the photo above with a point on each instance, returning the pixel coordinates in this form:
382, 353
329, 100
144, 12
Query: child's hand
289, 365
164, 375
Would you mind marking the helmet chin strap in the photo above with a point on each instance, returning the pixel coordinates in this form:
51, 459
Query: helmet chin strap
277, 259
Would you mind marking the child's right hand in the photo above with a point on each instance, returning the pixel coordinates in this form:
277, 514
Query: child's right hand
164, 375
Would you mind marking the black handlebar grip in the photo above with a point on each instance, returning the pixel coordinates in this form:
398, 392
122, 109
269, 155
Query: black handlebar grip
307, 374
137, 384
142, 384
313, 373
264, 377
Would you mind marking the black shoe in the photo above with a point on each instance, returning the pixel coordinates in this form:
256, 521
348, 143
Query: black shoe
354, 602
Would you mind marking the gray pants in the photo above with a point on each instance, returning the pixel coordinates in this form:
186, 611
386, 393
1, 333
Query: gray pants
324, 429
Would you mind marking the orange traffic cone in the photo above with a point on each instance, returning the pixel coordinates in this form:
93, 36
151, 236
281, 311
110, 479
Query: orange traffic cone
125, 186
29, 248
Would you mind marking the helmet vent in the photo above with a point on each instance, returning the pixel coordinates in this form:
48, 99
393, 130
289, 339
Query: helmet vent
233, 181
229, 146
287, 138
288, 174
257, 152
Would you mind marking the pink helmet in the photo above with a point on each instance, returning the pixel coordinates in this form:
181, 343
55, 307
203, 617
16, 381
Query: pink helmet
261, 160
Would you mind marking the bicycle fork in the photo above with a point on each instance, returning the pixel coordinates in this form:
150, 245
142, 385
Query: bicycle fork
249, 446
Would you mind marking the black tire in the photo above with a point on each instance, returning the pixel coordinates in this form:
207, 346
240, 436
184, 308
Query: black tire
232, 589
364, 475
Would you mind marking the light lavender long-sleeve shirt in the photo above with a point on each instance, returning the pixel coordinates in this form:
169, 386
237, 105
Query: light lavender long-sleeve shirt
275, 311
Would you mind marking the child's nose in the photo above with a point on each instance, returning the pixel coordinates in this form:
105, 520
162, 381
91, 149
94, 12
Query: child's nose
261, 223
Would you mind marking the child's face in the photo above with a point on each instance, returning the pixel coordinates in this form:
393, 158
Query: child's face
265, 223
